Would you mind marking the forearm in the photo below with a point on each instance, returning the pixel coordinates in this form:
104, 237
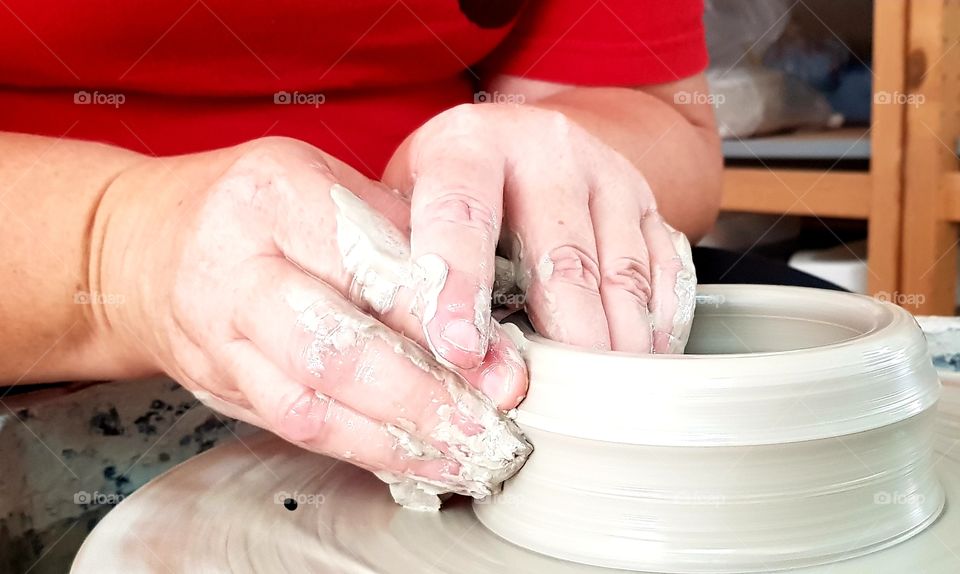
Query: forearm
677, 150
52, 301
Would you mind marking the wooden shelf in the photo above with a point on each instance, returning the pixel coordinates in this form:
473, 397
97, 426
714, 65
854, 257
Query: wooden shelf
849, 143
950, 183
875, 193
797, 192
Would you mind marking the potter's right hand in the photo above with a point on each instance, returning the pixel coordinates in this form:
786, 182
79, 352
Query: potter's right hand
244, 296
599, 265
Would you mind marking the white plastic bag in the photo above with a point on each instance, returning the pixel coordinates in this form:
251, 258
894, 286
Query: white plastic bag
754, 100
750, 98
740, 31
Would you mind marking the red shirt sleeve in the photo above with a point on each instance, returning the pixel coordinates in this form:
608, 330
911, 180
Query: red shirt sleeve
605, 42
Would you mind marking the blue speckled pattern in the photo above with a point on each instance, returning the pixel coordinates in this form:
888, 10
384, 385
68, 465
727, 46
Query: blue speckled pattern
943, 340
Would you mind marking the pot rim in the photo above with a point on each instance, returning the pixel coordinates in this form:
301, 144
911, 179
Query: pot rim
880, 375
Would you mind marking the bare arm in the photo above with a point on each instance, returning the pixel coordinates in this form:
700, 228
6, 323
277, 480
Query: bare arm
53, 324
225, 270
675, 146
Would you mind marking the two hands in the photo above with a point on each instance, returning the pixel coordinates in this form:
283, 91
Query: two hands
281, 287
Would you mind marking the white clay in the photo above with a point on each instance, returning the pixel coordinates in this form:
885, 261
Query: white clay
378, 256
372, 249
771, 460
486, 458
685, 291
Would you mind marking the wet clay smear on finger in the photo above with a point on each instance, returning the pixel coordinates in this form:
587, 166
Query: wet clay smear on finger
487, 446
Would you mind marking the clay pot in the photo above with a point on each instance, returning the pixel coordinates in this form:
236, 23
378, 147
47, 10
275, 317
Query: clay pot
796, 431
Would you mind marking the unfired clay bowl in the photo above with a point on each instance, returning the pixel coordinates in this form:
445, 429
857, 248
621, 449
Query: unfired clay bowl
796, 431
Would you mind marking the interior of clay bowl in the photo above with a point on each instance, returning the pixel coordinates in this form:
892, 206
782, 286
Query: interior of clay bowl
767, 447
772, 323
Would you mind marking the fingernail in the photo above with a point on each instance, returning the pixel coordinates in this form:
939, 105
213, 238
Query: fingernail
463, 335
497, 383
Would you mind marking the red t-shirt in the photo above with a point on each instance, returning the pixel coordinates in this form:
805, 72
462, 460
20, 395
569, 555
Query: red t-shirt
353, 77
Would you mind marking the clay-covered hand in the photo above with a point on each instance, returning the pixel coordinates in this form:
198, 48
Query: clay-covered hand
278, 295
598, 264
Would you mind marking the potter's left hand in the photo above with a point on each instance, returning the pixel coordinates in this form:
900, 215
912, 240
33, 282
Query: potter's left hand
599, 265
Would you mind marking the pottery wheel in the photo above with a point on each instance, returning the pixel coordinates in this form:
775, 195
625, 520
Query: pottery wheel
262, 505
225, 511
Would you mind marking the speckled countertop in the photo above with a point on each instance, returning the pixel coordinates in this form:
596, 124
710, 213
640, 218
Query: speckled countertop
68, 454
943, 341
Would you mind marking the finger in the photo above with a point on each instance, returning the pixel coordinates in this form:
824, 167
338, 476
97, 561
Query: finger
557, 255
673, 284
415, 291
322, 342
301, 415
616, 209
502, 376
456, 210
319, 224
325, 343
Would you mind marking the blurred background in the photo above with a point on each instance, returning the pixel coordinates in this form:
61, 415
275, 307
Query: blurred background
840, 137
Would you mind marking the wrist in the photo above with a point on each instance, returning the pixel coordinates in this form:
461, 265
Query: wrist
120, 254
142, 222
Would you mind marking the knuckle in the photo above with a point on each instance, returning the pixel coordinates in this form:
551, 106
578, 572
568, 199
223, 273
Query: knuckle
462, 129
271, 155
459, 125
670, 267
629, 274
277, 145
564, 141
570, 264
247, 188
463, 115
558, 125
462, 209
259, 176
561, 124
628, 171
303, 417
328, 345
